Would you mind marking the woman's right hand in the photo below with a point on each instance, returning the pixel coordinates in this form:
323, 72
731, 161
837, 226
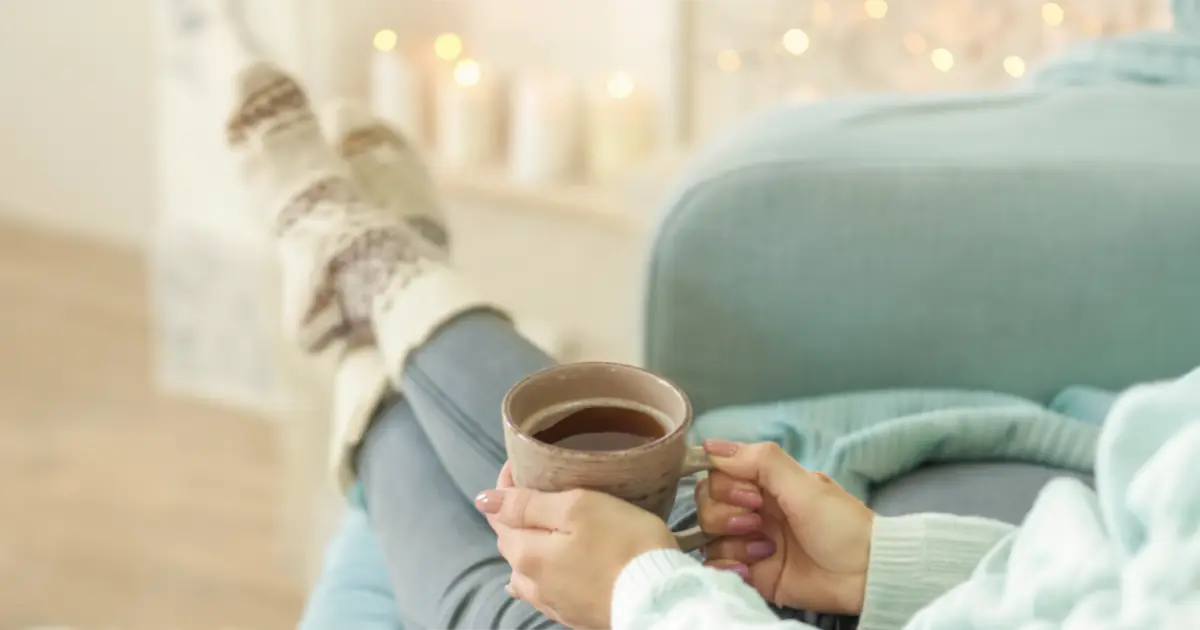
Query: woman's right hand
803, 541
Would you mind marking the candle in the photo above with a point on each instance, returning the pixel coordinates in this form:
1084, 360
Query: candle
545, 140
620, 127
396, 94
469, 116
1054, 33
448, 46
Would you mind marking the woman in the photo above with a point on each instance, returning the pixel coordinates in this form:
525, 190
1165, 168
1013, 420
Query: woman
363, 248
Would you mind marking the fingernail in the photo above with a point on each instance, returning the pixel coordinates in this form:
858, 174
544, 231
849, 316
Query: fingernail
748, 499
742, 570
720, 448
743, 524
760, 550
489, 501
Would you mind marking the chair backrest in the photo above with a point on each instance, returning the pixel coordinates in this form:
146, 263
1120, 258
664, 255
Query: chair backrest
1017, 242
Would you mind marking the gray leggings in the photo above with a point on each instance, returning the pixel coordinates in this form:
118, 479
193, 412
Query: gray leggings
426, 456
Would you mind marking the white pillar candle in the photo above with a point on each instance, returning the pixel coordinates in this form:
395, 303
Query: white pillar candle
396, 88
1055, 35
544, 144
468, 116
620, 130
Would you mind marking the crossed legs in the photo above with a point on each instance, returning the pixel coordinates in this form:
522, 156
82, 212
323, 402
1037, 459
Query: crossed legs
366, 273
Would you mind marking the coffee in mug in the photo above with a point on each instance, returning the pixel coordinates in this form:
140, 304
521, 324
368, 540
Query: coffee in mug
607, 427
599, 424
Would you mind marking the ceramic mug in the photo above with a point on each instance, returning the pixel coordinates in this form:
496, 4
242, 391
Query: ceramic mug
646, 475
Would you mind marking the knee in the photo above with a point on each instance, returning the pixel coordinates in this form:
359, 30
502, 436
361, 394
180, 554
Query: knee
482, 601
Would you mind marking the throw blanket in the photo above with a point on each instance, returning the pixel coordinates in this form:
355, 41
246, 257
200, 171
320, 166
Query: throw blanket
864, 439
1151, 57
1126, 556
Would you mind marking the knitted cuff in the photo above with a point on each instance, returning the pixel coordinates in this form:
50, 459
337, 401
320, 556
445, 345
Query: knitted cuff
916, 559
413, 309
360, 385
641, 577
367, 375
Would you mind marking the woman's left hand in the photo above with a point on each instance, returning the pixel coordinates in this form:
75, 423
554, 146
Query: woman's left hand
566, 549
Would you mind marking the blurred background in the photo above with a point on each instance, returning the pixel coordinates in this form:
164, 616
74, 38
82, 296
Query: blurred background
162, 450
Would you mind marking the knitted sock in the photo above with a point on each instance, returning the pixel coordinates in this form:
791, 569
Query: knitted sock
387, 168
391, 175
348, 266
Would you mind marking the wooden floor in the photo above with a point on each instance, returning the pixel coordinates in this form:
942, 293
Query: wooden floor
122, 509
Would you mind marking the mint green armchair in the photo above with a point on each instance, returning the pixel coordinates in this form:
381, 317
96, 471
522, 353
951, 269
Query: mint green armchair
1019, 242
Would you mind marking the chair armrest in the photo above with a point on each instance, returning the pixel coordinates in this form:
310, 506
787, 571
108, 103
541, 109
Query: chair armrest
354, 590
1018, 241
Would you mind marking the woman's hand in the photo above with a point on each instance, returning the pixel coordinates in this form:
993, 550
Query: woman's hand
802, 540
566, 549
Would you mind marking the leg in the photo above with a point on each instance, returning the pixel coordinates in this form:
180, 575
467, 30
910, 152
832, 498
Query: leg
455, 383
351, 266
441, 554
353, 269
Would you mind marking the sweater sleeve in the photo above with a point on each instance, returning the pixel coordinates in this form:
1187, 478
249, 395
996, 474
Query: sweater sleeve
668, 590
914, 560
917, 558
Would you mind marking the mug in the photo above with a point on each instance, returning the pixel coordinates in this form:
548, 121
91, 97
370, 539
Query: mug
645, 474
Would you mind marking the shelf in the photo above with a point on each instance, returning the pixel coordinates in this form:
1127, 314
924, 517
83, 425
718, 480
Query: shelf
492, 186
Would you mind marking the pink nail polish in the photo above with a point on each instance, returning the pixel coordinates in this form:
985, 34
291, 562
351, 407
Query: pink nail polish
759, 550
748, 499
720, 448
489, 501
743, 524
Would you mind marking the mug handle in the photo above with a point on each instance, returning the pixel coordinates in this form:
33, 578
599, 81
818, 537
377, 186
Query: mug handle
694, 461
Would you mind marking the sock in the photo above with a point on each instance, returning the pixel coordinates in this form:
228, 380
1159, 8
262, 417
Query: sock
348, 265
386, 167
287, 169
391, 175
360, 386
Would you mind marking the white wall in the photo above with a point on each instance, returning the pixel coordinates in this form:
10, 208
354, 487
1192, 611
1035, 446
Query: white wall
77, 115
79, 82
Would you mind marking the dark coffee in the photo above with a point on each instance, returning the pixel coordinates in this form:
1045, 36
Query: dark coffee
603, 428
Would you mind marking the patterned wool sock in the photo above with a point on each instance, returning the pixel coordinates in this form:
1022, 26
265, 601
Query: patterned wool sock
386, 167
349, 267
391, 175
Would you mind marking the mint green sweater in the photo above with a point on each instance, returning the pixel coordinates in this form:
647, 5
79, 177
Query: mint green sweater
1126, 556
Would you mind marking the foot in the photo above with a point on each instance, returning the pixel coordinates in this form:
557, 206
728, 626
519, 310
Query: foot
340, 254
386, 167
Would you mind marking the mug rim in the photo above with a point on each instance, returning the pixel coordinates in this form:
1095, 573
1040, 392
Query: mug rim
521, 434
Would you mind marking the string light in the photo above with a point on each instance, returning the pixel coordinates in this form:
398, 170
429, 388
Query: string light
1014, 66
1052, 13
914, 43
467, 72
447, 46
729, 60
385, 40
942, 59
795, 41
620, 85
